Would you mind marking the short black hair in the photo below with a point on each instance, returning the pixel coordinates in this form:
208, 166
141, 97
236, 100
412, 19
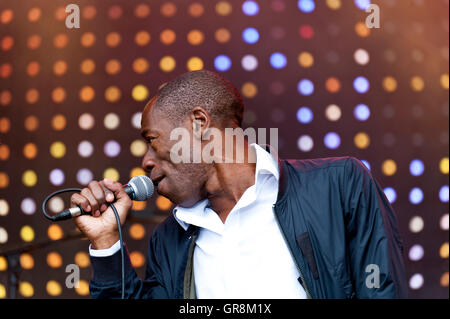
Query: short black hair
204, 88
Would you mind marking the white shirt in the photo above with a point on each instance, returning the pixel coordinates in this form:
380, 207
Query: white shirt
247, 256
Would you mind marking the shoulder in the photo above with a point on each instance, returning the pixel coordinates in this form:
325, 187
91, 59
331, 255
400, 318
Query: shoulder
343, 163
167, 230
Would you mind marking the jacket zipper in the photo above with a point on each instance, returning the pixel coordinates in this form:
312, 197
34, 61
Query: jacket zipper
308, 294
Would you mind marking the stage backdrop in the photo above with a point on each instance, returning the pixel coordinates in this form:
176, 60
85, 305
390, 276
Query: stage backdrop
70, 103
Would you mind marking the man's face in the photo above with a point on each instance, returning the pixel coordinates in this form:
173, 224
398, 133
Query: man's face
182, 183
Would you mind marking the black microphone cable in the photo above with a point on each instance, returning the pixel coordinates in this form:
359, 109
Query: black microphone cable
119, 227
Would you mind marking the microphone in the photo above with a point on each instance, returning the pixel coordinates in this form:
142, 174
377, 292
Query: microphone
139, 188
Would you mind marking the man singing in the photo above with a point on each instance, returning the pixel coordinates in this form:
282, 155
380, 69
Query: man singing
258, 228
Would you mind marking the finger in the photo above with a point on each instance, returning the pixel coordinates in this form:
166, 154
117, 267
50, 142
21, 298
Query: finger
109, 196
78, 200
97, 191
86, 192
116, 188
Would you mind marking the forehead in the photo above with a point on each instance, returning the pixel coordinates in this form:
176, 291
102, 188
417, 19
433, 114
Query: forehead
152, 120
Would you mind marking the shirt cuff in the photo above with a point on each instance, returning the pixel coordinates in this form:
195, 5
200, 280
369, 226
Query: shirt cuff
104, 252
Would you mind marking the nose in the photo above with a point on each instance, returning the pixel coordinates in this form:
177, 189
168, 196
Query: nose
148, 162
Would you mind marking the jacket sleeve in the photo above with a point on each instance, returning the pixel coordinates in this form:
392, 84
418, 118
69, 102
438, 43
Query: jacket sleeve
375, 246
106, 281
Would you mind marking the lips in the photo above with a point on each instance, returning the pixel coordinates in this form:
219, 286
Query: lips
157, 180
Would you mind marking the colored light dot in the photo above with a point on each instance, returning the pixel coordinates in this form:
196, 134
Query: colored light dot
168, 9
5, 70
111, 121
32, 96
60, 41
305, 115
6, 16
82, 259
194, 64
140, 92
3, 262
29, 178
113, 39
60, 13
416, 167
167, 64
26, 261
89, 12
163, 203
138, 148
361, 84
58, 95
137, 231
113, 66
196, 10
4, 152
87, 94
84, 176
112, 148
305, 143
137, 259
333, 85
306, 59
58, 149
250, 8
87, 66
57, 177
58, 122
5, 124
5, 97
444, 279
33, 68
222, 35
416, 252
26, 289
2, 291
3, 235
142, 38
445, 81
416, 196
362, 30
4, 207
137, 171
86, 121
30, 150
278, 60
27, 233
223, 8
444, 250
195, 37
416, 224
55, 232
334, 4
167, 37
56, 204
54, 260
87, 39
362, 140
53, 288
222, 63
362, 4
249, 63
142, 11
34, 42
112, 174
83, 288
138, 205
389, 167
332, 140
136, 120
443, 194
28, 206
249, 90
391, 194
417, 83
361, 112
416, 281
112, 94
361, 57
250, 35
306, 6
306, 31
444, 165
305, 87
333, 112
4, 180
444, 221
140, 65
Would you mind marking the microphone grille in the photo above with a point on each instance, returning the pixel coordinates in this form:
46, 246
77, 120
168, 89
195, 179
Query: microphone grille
143, 187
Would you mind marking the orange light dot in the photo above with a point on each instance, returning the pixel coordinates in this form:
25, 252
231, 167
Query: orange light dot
138, 205
5, 125
89, 12
195, 37
7, 43
60, 13
26, 261
87, 66
87, 39
113, 67
5, 70
58, 95
362, 30
55, 232
60, 40
31, 123
4, 180
137, 231
6, 16
333, 85
34, 42
444, 279
113, 39
113, 94
196, 9
137, 259
58, 122
34, 14
59, 67
222, 35
32, 96
142, 38
30, 150
168, 9
33, 68
163, 203
87, 94
83, 288
82, 259
140, 65
168, 37
142, 11
4, 152
54, 260
5, 97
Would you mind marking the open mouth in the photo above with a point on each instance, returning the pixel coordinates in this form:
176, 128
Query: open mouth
157, 180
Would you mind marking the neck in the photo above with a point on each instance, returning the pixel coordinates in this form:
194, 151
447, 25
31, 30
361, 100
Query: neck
229, 181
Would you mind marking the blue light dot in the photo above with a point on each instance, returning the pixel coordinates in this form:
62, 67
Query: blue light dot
416, 167
361, 84
362, 4
391, 194
250, 8
332, 140
416, 196
222, 63
366, 163
306, 6
304, 115
361, 112
250, 35
305, 87
278, 60
443, 194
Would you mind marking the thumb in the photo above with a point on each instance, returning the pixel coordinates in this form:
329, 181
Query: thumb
118, 191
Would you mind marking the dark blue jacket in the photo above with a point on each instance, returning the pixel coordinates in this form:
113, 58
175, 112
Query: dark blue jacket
335, 217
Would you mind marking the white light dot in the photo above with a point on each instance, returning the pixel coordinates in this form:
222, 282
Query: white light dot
111, 121
361, 56
84, 176
416, 252
57, 177
28, 206
249, 63
444, 222
4, 207
136, 120
416, 224
305, 143
85, 149
86, 121
111, 148
416, 281
56, 204
333, 112
3, 235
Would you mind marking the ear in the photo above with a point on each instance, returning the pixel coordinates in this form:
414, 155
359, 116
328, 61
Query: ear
201, 121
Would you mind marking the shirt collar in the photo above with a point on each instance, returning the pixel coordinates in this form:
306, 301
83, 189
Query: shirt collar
199, 213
